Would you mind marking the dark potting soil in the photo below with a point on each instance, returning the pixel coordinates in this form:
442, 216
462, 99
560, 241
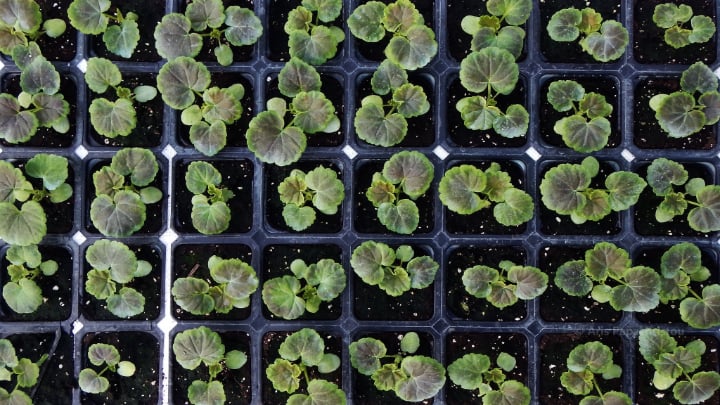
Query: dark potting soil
149, 128
235, 131
47, 137
649, 45
483, 222
458, 40
276, 263
366, 220
571, 52
554, 349
237, 384
556, 305
56, 380
154, 217
240, 54
271, 345
237, 176
274, 175
644, 214
62, 48
372, 303
149, 12
460, 343
333, 88
149, 286
364, 391
374, 51
460, 135
607, 86
553, 223
647, 132
143, 350
420, 130
192, 260
670, 312
278, 48
646, 393
56, 289
460, 303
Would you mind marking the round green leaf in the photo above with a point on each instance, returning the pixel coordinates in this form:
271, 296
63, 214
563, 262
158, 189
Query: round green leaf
235, 359
120, 216
703, 28
200, 175
458, 189
15, 125
678, 116
297, 76
329, 190
122, 39
92, 383
209, 218
376, 128
624, 189
592, 356
238, 277
101, 73
369, 259
99, 284
191, 294
173, 38
126, 303
710, 104
395, 283
24, 226
114, 256
103, 354
510, 392
180, 79
23, 297
205, 13
52, 169
112, 118
306, 345
509, 38
698, 389
698, 78
298, 218
284, 375
40, 76
514, 12
706, 217
327, 10
402, 217
516, 209
221, 105
563, 25
477, 114
412, 170
663, 173
199, 345
583, 136
426, 376
640, 291
685, 257
388, 76
365, 22
244, 27
414, 50
400, 16
493, 67
138, 163
702, 313
365, 355
280, 296
514, 123
608, 44
50, 110
467, 371
88, 16
571, 278
208, 139
422, 271
410, 100
315, 47
272, 142
312, 110
562, 188
531, 282
478, 280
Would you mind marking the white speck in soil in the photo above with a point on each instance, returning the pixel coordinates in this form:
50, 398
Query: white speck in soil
55, 288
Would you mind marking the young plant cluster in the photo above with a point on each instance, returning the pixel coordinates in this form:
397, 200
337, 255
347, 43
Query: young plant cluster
663, 175
674, 366
119, 206
101, 354
118, 117
120, 33
310, 40
671, 17
179, 35
473, 372
395, 271
278, 134
23, 370
406, 172
463, 187
566, 189
288, 298
210, 213
605, 41
114, 267
502, 288
234, 282
299, 353
22, 293
303, 193
411, 377
23, 221
688, 110
202, 345
587, 129
491, 68
586, 362
608, 275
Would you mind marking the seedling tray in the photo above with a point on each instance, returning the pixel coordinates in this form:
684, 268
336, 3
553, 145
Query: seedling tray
539, 333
